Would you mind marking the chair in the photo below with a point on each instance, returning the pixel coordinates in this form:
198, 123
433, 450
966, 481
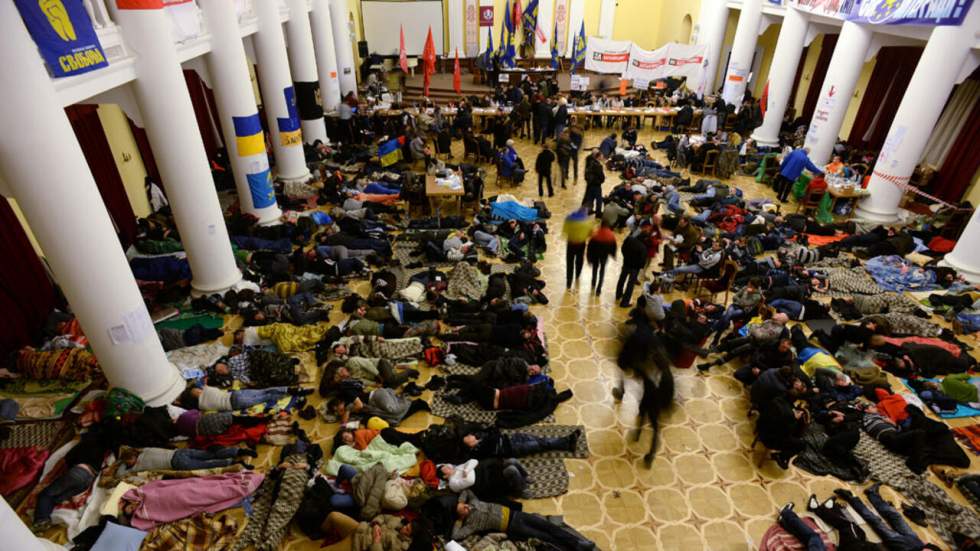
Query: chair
811, 201
413, 190
501, 178
710, 163
471, 148
722, 283
861, 169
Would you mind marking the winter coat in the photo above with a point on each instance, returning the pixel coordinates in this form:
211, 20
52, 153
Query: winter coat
368, 490
634, 253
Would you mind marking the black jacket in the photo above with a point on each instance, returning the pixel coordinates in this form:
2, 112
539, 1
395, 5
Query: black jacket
542, 165
634, 253
594, 174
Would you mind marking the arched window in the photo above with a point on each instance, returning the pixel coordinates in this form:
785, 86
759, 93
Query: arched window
685, 35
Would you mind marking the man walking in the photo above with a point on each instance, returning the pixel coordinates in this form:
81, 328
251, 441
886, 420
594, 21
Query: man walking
790, 169
542, 165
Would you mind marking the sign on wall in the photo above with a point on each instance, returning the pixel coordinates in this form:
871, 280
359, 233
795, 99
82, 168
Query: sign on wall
486, 16
64, 34
607, 56
471, 28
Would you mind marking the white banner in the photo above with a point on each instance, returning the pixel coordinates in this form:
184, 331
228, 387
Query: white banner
607, 56
185, 18
561, 24
673, 60
646, 64
471, 29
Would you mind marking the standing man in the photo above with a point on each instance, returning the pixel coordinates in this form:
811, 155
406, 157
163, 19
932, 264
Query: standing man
595, 175
542, 165
790, 170
577, 229
634, 258
542, 119
561, 117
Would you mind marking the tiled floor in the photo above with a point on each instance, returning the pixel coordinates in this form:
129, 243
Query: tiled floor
704, 491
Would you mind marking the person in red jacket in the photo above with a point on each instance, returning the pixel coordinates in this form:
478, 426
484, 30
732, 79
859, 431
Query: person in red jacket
602, 245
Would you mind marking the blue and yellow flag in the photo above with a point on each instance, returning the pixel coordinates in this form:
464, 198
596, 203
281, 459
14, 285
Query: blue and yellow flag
389, 152
555, 63
248, 135
488, 55
508, 54
289, 127
260, 184
63, 32
578, 49
530, 21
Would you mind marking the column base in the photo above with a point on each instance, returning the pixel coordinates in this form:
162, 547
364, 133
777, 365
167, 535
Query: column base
301, 179
268, 216
970, 273
176, 385
882, 217
765, 141
199, 289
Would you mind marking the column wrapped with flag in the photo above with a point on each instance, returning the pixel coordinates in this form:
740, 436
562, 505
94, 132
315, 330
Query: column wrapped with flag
578, 48
429, 62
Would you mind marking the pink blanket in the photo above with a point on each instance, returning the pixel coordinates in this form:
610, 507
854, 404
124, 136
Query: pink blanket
162, 501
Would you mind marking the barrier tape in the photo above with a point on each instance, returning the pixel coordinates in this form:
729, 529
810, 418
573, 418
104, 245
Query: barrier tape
901, 182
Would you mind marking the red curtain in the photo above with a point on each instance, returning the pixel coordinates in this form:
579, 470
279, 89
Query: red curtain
146, 152
819, 72
962, 163
26, 292
199, 98
891, 76
91, 136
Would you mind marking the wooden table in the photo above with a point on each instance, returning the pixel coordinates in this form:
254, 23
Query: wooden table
437, 193
850, 195
661, 116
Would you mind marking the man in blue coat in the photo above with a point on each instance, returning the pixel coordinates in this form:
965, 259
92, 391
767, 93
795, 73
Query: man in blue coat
791, 168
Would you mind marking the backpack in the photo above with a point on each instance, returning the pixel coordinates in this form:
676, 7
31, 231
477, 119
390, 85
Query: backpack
754, 246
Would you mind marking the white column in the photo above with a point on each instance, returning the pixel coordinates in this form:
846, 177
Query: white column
546, 22
712, 21
743, 48
838, 87
607, 18
302, 65
172, 130
931, 84
240, 124
45, 170
326, 56
782, 73
343, 48
278, 95
16, 535
965, 257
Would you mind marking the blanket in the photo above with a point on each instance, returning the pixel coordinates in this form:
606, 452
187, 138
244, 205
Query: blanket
970, 436
196, 533
400, 458
195, 358
962, 410
512, 210
43, 399
820, 240
186, 320
894, 273
73, 364
20, 467
162, 501
290, 338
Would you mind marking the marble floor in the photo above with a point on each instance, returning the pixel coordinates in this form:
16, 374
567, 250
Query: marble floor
706, 489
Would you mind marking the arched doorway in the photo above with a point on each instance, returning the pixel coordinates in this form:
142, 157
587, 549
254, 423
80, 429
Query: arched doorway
685, 36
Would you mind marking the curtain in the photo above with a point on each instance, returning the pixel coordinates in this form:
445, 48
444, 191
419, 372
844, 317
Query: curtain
889, 79
962, 161
26, 292
91, 136
954, 117
196, 89
146, 152
819, 72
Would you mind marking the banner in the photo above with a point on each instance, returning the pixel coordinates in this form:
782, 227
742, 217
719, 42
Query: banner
248, 135
561, 24
837, 9
646, 64
471, 28
911, 12
185, 19
289, 127
260, 186
64, 35
607, 56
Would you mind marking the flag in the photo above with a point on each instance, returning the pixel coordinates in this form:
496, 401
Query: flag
488, 55
517, 16
402, 52
248, 135
429, 59
764, 99
289, 126
555, 63
530, 21
457, 75
578, 48
507, 53
390, 152
261, 190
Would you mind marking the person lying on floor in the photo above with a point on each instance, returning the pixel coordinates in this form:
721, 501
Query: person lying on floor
371, 346
252, 366
912, 359
383, 403
132, 460
82, 464
382, 533
369, 370
499, 373
763, 331
491, 479
474, 516
209, 398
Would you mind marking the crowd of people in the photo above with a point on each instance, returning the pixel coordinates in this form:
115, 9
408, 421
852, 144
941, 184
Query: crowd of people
817, 340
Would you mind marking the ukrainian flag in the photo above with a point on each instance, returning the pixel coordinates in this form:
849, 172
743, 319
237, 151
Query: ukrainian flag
578, 48
248, 135
289, 127
389, 152
260, 186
